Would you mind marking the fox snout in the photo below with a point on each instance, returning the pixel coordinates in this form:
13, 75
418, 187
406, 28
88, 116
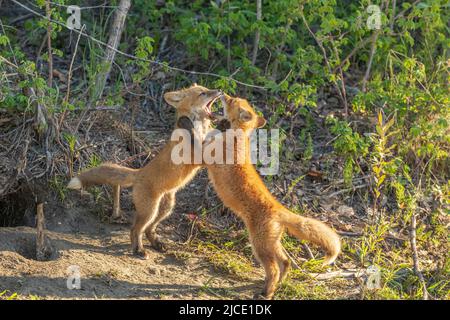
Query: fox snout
215, 93
226, 98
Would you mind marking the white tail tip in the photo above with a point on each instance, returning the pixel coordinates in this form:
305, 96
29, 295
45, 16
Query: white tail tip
75, 183
331, 256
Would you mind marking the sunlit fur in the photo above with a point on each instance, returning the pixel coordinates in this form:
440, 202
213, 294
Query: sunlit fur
155, 185
242, 190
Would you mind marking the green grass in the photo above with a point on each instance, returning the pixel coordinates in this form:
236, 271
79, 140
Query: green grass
7, 295
226, 260
209, 289
398, 281
305, 290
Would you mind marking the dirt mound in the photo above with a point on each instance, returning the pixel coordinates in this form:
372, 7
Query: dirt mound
107, 269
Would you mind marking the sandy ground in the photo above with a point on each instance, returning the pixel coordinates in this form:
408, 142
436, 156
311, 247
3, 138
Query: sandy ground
107, 268
102, 252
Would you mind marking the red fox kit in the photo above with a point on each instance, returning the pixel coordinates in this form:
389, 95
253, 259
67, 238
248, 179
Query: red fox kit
155, 185
242, 190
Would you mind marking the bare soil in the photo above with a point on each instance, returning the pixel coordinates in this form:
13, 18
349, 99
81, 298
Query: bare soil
81, 234
108, 270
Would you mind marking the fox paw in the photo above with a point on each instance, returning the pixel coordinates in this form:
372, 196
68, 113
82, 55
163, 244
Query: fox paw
118, 219
143, 254
261, 296
159, 245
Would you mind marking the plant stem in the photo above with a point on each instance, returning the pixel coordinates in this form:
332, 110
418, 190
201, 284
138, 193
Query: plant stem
49, 43
415, 256
258, 32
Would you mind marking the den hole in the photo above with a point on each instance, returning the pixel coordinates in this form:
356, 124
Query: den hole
19, 209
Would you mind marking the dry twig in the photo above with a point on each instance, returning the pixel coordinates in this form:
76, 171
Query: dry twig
49, 43
416, 257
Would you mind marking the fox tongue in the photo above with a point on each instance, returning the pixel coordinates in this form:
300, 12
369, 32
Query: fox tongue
210, 115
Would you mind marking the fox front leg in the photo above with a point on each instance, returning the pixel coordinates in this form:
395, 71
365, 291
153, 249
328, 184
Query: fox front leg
186, 123
223, 125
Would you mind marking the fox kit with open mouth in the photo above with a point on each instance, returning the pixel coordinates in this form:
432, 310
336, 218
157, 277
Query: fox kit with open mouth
241, 189
155, 185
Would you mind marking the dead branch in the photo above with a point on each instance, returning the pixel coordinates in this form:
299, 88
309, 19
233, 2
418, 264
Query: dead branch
347, 190
69, 77
337, 274
416, 257
258, 32
308, 251
43, 248
369, 63
69, 74
49, 43
111, 49
391, 22
293, 262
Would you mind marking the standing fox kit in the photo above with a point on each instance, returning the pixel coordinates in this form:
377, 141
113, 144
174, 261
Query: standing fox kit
155, 185
241, 189
238, 185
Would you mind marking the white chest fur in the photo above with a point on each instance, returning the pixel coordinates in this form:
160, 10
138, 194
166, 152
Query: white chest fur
201, 128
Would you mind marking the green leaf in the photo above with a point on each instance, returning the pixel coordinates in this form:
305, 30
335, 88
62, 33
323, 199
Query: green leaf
381, 180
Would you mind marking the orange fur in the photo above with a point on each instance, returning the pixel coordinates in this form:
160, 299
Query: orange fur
242, 190
155, 185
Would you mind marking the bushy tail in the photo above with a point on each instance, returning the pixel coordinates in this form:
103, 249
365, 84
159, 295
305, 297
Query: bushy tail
314, 231
109, 173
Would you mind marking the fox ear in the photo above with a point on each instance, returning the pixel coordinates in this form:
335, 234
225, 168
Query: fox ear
260, 122
174, 97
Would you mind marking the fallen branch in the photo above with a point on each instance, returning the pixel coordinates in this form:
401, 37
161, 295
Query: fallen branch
293, 262
308, 251
359, 234
347, 190
337, 274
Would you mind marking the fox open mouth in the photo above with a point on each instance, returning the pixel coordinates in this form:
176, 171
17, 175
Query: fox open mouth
224, 105
208, 106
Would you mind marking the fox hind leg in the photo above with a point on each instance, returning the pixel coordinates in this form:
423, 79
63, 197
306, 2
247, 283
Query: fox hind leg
272, 270
267, 248
165, 209
147, 204
283, 262
116, 214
